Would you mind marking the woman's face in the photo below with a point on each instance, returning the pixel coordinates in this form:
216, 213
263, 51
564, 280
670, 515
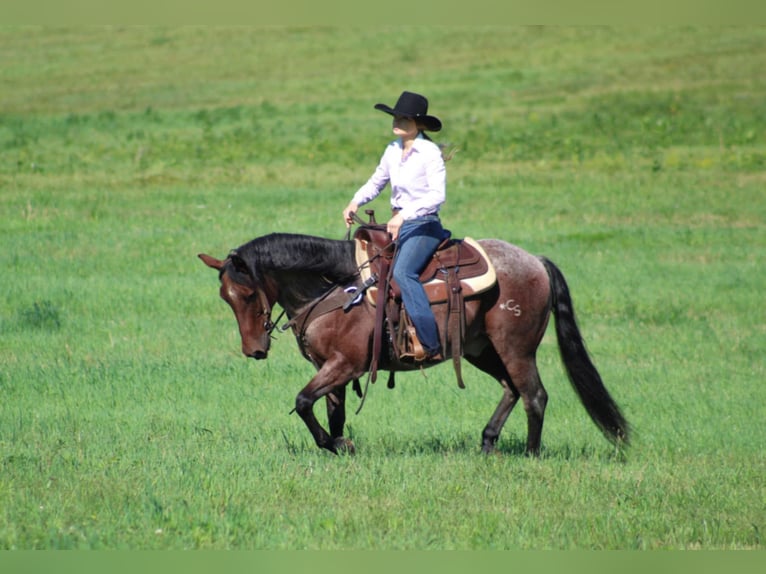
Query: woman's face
405, 127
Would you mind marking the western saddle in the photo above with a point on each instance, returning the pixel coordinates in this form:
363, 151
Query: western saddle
459, 269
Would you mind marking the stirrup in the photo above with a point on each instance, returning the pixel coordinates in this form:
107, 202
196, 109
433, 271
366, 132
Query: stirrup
414, 350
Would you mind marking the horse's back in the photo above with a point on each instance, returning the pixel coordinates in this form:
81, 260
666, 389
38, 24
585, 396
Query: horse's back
512, 260
523, 284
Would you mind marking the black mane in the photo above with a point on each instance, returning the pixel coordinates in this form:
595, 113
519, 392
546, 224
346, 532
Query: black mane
303, 266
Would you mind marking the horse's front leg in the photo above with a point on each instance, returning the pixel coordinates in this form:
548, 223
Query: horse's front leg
329, 381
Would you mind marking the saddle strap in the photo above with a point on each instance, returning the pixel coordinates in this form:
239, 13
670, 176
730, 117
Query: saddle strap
334, 299
380, 309
455, 331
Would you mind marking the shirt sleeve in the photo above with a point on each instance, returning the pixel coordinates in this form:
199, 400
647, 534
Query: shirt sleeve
375, 184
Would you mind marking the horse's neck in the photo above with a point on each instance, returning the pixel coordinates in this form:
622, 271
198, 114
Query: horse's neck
294, 291
297, 287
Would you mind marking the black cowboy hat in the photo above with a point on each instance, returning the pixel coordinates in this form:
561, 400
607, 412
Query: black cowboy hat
415, 106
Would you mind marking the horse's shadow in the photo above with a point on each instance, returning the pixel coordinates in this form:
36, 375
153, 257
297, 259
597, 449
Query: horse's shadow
462, 444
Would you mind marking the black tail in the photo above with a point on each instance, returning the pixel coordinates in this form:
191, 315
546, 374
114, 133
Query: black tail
580, 370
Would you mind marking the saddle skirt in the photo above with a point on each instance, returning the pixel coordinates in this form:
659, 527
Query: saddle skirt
465, 258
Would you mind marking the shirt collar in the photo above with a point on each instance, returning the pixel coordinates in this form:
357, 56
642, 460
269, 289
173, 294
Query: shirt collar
419, 139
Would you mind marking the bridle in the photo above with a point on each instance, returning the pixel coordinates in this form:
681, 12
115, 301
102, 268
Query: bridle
266, 308
269, 325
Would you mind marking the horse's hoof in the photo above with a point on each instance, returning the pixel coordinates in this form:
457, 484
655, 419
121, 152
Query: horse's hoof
344, 446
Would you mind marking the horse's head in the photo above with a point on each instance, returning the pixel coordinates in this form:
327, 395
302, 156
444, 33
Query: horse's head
249, 302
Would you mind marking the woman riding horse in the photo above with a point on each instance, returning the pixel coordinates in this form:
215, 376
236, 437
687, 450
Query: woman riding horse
414, 166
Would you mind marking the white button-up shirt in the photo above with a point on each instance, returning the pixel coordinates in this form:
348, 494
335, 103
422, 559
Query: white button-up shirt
418, 182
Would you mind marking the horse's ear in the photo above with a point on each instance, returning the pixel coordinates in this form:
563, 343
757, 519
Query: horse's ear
211, 261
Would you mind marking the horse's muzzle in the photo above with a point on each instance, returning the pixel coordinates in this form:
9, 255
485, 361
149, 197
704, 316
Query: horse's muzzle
258, 355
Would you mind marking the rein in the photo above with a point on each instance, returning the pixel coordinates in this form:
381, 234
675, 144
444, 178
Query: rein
358, 220
270, 327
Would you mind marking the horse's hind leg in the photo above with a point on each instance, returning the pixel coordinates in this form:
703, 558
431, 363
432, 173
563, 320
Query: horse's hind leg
336, 411
490, 363
519, 378
492, 431
336, 418
526, 378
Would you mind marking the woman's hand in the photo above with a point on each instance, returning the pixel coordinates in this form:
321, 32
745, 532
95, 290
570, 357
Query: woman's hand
394, 224
350, 208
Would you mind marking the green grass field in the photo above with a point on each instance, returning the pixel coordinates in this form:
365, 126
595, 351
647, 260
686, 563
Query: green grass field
633, 158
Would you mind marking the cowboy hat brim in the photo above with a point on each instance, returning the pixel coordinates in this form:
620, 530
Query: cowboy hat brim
431, 123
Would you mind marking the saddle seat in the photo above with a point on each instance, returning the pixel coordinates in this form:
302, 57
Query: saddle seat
465, 258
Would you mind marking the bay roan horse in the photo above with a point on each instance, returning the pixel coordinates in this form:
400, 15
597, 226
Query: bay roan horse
503, 329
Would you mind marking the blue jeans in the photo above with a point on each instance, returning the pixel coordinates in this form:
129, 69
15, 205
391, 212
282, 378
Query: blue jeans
418, 239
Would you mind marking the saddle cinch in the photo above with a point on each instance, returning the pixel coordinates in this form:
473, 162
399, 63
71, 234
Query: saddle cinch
459, 268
